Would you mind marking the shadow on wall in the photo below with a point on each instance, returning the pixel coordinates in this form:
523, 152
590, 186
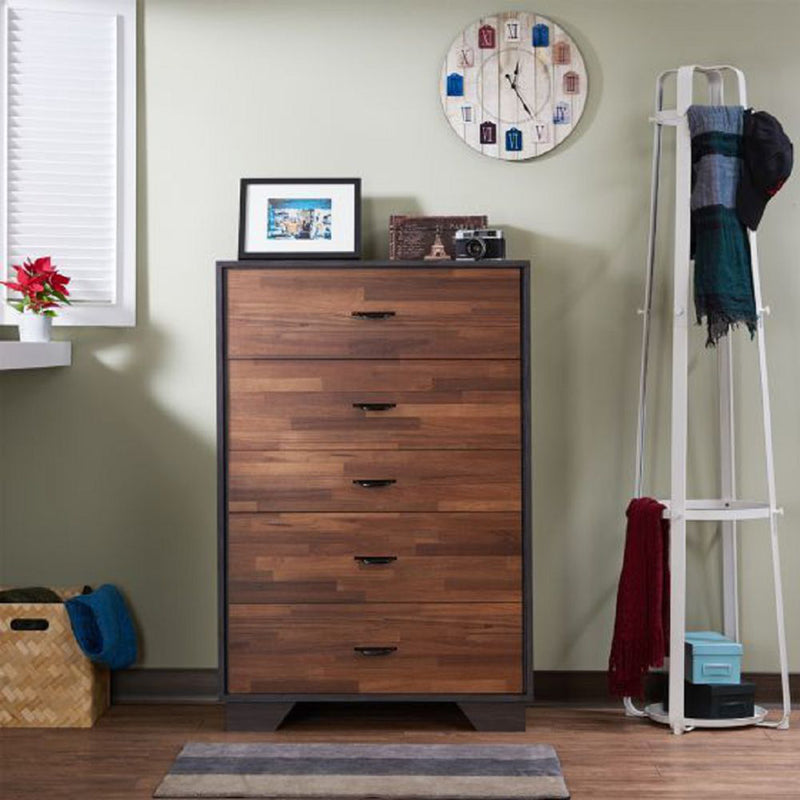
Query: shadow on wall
106, 486
580, 439
586, 340
105, 481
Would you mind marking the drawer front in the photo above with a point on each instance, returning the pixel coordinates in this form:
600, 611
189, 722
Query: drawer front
374, 480
373, 313
375, 648
309, 405
390, 557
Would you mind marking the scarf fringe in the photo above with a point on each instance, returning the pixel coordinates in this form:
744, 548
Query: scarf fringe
628, 666
719, 323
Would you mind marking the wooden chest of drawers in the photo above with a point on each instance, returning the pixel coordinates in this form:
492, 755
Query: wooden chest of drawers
374, 523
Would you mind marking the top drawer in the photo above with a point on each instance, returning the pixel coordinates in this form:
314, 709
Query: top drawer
373, 313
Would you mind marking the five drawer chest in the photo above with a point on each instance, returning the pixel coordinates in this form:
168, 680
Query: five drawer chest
374, 503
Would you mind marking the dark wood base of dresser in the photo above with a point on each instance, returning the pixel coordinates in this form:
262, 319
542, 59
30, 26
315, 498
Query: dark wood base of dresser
256, 716
495, 716
269, 716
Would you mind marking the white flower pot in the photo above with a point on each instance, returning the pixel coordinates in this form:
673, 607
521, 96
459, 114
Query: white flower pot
35, 328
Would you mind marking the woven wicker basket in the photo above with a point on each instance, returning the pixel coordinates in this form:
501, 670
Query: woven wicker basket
45, 679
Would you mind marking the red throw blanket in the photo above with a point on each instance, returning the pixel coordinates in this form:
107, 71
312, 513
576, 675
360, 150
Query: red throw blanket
641, 629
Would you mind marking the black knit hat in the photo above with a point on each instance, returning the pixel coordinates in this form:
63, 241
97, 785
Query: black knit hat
767, 162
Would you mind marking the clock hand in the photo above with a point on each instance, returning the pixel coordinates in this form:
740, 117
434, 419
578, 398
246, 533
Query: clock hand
516, 91
524, 104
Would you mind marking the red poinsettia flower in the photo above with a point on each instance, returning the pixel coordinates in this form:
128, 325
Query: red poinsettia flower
31, 283
42, 286
59, 283
42, 265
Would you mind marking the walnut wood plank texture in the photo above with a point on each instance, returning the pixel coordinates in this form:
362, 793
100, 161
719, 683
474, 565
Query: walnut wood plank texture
424, 480
383, 405
435, 313
313, 558
369, 408
374, 648
604, 755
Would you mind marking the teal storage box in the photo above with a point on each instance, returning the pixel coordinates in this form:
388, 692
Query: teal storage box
712, 658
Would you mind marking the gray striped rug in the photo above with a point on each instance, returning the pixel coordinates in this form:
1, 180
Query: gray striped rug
360, 771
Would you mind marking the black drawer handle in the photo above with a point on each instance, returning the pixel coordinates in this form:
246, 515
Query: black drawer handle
374, 484
375, 651
369, 561
372, 314
374, 406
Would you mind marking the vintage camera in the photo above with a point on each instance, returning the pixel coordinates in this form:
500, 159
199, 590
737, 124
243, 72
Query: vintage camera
483, 244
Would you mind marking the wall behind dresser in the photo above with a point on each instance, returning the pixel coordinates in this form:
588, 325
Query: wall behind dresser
260, 88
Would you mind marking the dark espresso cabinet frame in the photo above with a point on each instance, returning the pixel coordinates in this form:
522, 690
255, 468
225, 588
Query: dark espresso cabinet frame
267, 711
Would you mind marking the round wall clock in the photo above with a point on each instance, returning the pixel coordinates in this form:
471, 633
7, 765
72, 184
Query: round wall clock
513, 85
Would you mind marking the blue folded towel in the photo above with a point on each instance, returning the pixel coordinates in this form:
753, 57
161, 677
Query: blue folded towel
103, 627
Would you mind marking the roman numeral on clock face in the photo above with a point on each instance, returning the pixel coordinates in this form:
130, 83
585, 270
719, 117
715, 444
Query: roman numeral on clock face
542, 132
486, 37
514, 139
466, 57
488, 133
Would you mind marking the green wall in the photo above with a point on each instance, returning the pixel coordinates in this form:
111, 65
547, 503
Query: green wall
108, 467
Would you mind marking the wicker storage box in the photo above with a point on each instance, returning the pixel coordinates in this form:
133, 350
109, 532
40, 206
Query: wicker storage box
45, 679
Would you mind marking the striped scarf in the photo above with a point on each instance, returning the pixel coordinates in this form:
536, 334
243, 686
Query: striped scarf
723, 281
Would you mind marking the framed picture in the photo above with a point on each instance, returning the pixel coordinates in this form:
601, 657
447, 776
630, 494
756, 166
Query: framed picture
300, 218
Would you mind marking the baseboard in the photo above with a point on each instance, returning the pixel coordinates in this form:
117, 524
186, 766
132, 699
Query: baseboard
165, 686
591, 686
549, 686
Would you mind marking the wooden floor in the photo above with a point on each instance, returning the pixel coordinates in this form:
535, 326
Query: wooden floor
603, 754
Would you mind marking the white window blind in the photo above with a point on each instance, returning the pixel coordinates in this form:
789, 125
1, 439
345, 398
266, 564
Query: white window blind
69, 147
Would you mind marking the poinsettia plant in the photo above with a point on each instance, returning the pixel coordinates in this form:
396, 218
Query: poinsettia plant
42, 286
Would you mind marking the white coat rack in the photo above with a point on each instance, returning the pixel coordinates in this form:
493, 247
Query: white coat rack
727, 509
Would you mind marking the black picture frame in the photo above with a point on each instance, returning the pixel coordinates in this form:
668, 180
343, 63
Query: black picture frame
297, 251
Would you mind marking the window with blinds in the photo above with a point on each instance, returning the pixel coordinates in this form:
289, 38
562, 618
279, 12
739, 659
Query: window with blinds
69, 149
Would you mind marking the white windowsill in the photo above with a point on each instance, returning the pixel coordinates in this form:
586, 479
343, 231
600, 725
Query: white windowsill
33, 355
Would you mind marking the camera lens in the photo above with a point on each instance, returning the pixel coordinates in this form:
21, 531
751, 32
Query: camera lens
476, 248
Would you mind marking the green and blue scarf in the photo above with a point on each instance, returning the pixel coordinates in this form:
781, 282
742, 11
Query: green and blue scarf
723, 278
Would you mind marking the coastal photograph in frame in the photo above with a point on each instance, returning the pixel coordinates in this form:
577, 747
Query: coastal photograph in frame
300, 218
